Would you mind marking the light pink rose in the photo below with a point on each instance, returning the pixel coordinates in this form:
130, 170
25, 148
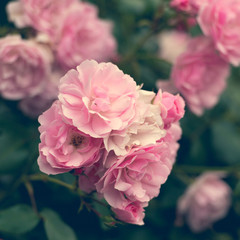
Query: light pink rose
145, 129
172, 107
133, 212
172, 44
24, 67
200, 75
62, 146
205, 201
84, 36
220, 20
137, 176
98, 98
16, 14
43, 15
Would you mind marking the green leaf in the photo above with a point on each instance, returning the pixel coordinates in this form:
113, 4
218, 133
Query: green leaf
13, 154
226, 142
18, 219
55, 228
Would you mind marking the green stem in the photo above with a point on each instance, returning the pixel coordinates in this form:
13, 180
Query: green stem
45, 178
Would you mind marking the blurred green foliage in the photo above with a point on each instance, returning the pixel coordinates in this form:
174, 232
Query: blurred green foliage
44, 210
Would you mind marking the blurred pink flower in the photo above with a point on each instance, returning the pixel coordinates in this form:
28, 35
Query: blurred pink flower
85, 36
172, 107
220, 20
200, 75
205, 201
36, 105
172, 44
24, 67
62, 146
98, 98
43, 15
190, 6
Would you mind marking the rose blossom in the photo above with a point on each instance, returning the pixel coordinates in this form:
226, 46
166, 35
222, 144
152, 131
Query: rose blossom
173, 134
132, 212
89, 176
220, 20
98, 98
172, 107
62, 146
43, 15
85, 36
200, 75
146, 128
137, 176
189, 6
172, 44
205, 201
24, 67
36, 105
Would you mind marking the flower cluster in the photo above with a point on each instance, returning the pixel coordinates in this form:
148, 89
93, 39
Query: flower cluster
64, 33
201, 67
119, 139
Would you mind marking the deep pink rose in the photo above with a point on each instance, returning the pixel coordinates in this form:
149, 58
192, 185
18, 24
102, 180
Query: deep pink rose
137, 176
24, 67
172, 107
205, 201
220, 20
189, 6
85, 36
133, 212
43, 15
98, 98
200, 75
62, 146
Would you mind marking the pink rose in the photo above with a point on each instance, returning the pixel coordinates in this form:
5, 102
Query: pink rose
36, 105
173, 134
137, 176
85, 36
89, 176
172, 44
98, 98
145, 129
62, 146
220, 20
16, 14
24, 67
43, 15
172, 107
183, 5
133, 213
205, 201
189, 6
200, 75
